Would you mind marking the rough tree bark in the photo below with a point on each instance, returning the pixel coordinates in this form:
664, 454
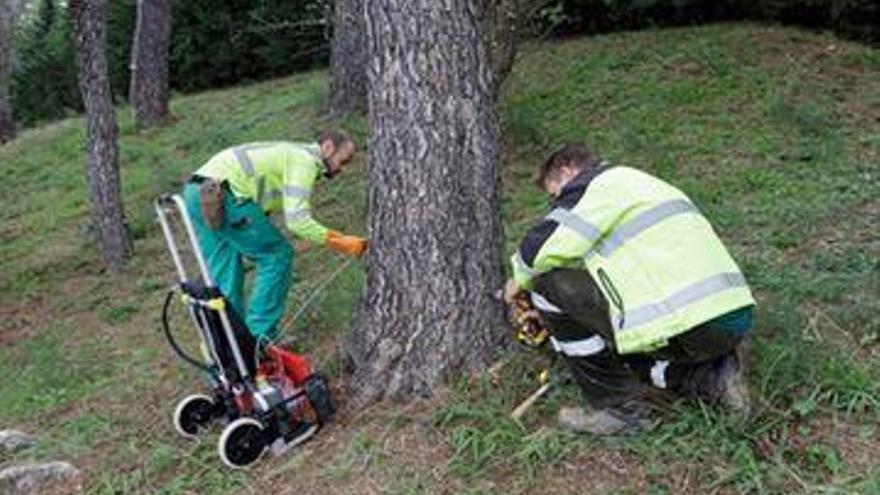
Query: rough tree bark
500, 25
148, 89
348, 84
7, 120
434, 263
87, 18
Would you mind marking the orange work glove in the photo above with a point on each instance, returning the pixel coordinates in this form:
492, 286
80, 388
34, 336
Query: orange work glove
346, 244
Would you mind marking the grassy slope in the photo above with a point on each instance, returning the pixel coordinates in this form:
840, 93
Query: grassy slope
773, 132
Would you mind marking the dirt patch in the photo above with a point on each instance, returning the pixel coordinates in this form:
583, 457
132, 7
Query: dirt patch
687, 69
388, 447
593, 472
824, 445
21, 320
861, 229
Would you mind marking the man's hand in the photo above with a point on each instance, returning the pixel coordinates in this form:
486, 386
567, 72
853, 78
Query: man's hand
510, 290
346, 244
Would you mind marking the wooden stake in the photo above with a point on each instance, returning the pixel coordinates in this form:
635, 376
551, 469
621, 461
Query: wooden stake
526, 404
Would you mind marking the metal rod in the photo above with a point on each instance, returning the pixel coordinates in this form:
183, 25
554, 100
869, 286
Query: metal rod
193, 240
169, 239
181, 271
206, 276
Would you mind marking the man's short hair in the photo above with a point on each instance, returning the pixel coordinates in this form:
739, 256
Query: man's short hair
338, 137
570, 155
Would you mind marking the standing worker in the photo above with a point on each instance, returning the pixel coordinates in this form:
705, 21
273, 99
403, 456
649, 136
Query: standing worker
639, 294
229, 199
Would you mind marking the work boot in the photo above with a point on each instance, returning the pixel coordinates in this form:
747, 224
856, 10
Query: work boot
607, 421
721, 382
734, 393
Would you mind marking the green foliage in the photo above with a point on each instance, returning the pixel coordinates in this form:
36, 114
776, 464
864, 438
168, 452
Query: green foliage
219, 44
213, 44
43, 85
859, 19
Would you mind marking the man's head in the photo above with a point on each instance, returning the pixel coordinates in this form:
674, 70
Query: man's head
564, 165
337, 149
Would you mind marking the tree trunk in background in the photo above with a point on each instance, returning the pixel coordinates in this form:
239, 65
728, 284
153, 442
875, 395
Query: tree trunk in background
348, 84
500, 25
148, 91
434, 263
7, 120
102, 172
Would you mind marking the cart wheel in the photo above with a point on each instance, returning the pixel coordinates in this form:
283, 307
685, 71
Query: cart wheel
241, 443
193, 413
318, 392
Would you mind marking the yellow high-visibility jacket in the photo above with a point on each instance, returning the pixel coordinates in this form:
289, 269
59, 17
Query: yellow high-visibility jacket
275, 175
656, 259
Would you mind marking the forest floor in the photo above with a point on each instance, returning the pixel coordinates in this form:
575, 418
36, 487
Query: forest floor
775, 134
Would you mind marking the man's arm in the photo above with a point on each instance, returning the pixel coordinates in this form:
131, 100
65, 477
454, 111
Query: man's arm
562, 239
298, 184
299, 179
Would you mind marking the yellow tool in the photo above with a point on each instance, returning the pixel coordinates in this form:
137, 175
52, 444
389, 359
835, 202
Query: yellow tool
544, 378
530, 331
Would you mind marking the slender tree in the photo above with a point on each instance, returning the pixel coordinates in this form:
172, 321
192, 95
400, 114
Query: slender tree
7, 120
434, 264
148, 91
348, 84
87, 18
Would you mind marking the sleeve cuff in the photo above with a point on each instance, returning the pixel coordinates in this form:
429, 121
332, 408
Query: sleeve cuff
523, 274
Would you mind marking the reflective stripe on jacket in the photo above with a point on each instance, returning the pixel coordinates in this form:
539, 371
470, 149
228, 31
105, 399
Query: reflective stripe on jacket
656, 259
277, 176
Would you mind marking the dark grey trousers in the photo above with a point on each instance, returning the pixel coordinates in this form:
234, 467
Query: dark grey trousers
576, 312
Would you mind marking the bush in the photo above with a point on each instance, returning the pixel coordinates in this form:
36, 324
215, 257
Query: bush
43, 84
591, 16
858, 19
213, 44
219, 44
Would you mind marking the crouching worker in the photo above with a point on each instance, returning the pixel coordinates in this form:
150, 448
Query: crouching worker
639, 295
230, 199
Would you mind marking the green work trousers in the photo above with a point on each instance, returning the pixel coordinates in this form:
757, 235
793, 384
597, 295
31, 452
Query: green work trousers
246, 232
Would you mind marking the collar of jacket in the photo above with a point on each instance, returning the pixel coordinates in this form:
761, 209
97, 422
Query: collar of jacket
314, 149
571, 193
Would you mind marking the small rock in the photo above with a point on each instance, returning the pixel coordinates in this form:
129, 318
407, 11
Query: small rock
691, 68
50, 477
12, 440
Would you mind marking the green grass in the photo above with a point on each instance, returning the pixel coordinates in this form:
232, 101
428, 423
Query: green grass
773, 132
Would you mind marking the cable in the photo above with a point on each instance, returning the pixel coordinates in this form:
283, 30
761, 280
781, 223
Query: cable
311, 298
170, 338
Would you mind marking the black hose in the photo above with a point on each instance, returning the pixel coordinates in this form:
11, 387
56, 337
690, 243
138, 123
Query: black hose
186, 357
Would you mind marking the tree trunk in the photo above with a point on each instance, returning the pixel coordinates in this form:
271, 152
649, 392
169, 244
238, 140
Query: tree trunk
7, 120
348, 85
500, 27
148, 90
102, 171
434, 263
